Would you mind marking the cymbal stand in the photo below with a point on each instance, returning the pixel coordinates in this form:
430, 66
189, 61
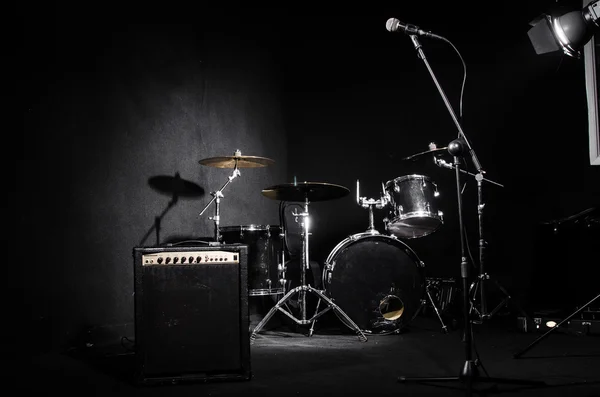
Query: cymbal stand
478, 287
303, 289
469, 372
217, 195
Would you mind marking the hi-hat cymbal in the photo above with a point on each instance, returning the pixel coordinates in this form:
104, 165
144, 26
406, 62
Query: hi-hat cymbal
175, 185
237, 161
414, 156
313, 191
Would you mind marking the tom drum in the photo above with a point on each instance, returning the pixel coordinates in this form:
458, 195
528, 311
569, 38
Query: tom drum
414, 212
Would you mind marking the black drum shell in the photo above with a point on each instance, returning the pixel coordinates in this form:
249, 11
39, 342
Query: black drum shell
264, 250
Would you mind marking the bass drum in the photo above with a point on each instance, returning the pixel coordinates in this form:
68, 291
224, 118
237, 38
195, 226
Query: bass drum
377, 280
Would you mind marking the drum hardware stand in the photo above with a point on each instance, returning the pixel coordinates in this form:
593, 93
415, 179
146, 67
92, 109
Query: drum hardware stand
469, 372
302, 289
217, 195
435, 308
370, 203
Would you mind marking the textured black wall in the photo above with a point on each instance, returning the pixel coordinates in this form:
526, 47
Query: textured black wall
112, 101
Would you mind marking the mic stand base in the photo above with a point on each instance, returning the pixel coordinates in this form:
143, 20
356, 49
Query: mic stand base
470, 376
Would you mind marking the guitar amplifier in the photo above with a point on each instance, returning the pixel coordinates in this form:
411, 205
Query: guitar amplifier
191, 314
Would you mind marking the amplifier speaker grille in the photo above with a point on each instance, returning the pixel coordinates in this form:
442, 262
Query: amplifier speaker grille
192, 319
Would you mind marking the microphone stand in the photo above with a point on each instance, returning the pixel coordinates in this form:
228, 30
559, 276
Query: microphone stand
469, 373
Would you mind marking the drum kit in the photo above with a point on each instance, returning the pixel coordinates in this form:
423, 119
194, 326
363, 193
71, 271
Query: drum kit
374, 282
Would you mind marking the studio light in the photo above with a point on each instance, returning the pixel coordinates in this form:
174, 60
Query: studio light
566, 30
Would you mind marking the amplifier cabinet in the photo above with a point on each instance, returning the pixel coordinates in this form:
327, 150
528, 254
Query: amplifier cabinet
191, 313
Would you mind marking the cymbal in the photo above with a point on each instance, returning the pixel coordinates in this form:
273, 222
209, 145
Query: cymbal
313, 191
175, 185
439, 149
239, 161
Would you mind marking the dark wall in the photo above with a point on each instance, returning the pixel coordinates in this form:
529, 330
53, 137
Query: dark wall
111, 101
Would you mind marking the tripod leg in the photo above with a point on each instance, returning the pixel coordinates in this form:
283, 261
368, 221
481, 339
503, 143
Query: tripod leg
271, 312
346, 320
312, 326
483, 314
437, 312
473, 293
509, 298
538, 340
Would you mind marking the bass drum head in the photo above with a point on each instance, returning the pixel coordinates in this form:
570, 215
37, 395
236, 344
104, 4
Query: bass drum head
377, 280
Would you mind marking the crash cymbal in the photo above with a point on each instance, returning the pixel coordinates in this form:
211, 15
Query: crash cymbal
237, 160
313, 191
414, 156
174, 185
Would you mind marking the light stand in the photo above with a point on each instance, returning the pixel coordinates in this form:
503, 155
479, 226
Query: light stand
469, 373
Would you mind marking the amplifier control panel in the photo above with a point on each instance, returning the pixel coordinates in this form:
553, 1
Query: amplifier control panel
190, 258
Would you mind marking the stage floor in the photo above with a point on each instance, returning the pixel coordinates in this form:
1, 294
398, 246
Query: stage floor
334, 362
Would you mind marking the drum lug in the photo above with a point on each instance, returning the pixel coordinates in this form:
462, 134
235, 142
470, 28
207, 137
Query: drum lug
327, 270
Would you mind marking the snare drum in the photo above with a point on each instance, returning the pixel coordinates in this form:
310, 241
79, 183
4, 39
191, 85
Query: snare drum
377, 280
414, 212
264, 251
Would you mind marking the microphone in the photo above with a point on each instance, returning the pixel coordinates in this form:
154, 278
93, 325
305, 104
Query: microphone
394, 25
